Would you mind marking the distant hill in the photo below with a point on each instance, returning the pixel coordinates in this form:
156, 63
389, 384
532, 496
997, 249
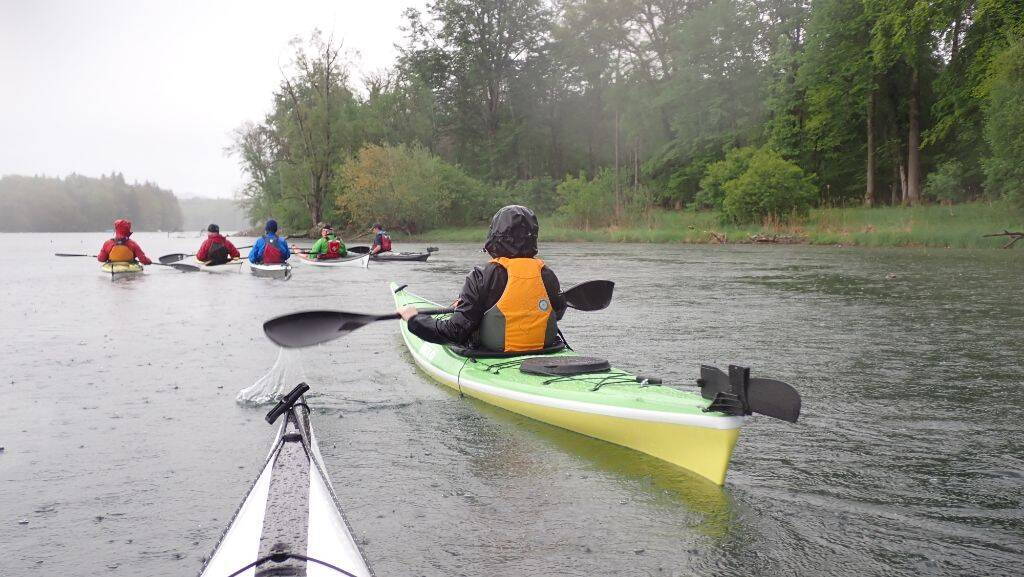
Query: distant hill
79, 203
198, 213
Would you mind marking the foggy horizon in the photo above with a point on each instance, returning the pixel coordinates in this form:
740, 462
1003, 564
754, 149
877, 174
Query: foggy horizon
152, 90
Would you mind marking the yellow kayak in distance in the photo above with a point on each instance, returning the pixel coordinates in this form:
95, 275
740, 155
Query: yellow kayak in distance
120, 270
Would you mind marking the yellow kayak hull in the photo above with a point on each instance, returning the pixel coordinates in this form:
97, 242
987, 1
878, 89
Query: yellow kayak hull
704, 451
118, 270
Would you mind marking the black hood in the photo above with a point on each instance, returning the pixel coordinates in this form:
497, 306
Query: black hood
513, 233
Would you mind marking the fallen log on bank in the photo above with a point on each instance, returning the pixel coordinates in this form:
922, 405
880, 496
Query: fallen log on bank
775, 239
1014, 237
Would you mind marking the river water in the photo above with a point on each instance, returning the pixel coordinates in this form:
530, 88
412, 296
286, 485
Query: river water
125, 452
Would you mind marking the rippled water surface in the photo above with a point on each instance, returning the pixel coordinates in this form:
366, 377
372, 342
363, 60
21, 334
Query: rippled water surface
125, 453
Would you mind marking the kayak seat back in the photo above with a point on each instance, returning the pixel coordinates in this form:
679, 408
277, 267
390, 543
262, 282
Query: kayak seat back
564, 366
477, 353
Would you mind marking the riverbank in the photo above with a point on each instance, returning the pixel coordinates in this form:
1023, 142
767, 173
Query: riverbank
957, 226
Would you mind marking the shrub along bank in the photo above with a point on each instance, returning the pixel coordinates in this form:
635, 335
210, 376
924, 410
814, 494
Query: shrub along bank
956, 226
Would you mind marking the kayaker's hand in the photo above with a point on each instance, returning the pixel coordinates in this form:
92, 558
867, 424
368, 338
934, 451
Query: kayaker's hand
407, 312
455, 303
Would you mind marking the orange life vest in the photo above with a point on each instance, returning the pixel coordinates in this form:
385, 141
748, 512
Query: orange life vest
120, 253
522, 320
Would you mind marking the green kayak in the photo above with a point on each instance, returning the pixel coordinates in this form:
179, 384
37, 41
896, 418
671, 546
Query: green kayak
609, 404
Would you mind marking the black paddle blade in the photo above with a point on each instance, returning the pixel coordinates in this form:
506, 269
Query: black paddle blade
713, 381
592, 295
172, 258
432, 249
358, 249
774, 399
310, 328
736, 393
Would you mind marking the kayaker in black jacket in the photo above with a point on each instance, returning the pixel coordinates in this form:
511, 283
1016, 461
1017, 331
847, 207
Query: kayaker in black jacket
493, 313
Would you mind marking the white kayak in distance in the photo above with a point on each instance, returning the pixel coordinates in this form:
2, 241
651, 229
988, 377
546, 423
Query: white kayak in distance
290, 522
120, 270
358, 260
279, 271
232, 266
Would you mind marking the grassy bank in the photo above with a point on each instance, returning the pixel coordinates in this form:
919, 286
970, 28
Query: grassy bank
959, 226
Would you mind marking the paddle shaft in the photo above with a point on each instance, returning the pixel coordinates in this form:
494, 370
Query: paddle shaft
179, 256
181, 267
428, 312
570, 295
309, 328
578, 292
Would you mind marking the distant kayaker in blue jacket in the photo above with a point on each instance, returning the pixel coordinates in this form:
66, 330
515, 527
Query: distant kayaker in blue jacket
270, 248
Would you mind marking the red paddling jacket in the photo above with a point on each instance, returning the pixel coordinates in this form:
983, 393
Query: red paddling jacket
121, 248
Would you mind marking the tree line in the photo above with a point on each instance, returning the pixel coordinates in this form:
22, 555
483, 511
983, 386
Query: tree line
82, 204
604, 109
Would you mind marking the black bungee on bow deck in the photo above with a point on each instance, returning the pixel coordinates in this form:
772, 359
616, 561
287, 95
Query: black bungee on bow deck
736, 393
284, 558
287, 402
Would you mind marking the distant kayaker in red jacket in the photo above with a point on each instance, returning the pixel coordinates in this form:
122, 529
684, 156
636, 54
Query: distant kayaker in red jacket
216, 249
121, 248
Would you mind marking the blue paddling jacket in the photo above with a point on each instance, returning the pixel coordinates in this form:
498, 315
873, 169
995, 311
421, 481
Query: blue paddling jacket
256, 253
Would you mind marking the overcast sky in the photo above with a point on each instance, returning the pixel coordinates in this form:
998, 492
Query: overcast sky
152, 89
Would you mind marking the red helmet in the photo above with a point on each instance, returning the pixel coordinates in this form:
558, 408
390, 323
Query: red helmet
122, 228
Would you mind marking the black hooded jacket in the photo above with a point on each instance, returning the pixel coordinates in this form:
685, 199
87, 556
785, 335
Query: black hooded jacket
513, 234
